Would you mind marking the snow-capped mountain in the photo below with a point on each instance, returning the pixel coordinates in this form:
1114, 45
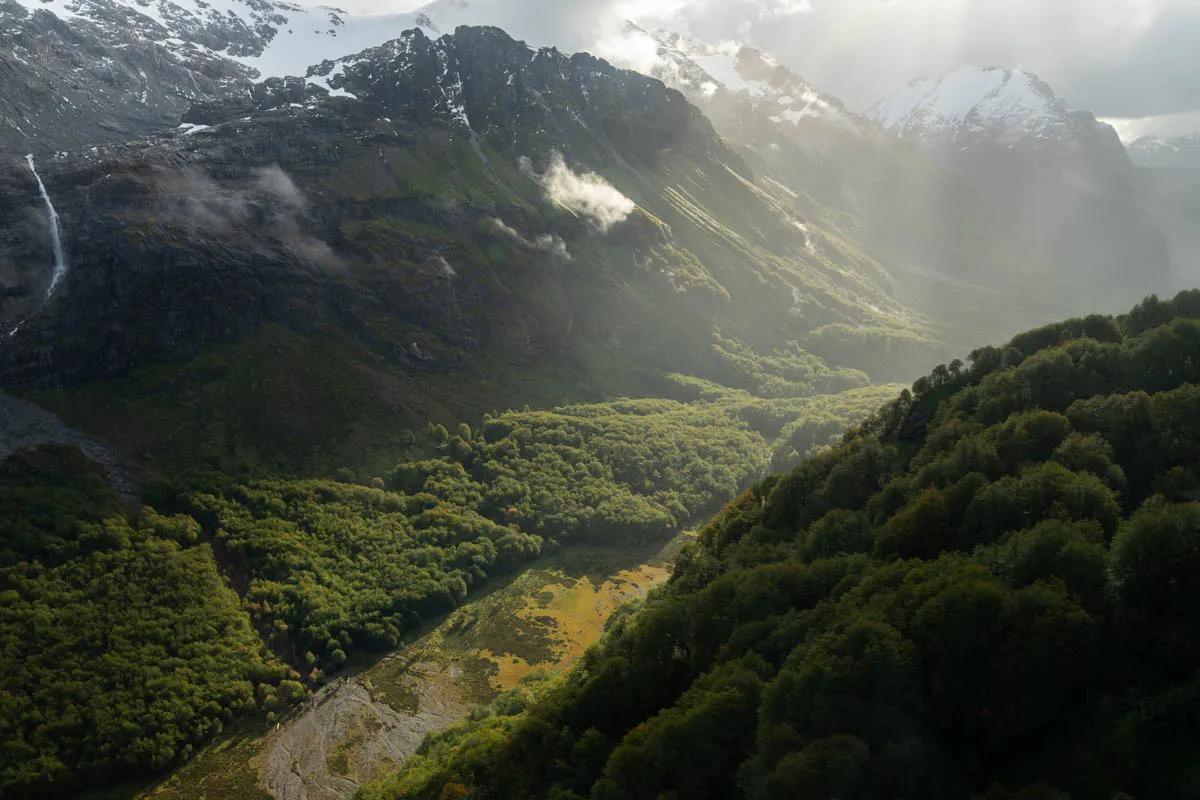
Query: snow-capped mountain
704, 72
1010, 107
282, 204
159, 57
1166, 151
81, 72
1056, 180
267, 36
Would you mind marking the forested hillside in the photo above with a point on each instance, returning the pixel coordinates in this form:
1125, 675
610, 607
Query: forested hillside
121, 645
130, 636
984, 590
264, 311
351, 398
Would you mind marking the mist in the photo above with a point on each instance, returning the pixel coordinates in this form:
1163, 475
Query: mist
270, 200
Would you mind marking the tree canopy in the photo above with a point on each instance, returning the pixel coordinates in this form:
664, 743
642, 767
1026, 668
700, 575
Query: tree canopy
984, 590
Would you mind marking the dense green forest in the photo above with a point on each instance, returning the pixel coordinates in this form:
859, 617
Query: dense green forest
125, 644
986, 589
120, 644
334, 567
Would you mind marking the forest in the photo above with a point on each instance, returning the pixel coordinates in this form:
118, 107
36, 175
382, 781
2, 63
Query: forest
985, 589
121, 645
133, 635
537, 400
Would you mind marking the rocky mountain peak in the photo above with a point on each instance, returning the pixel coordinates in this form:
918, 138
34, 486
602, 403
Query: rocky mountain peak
1007, 106
736, 72
1166, 151
481, 80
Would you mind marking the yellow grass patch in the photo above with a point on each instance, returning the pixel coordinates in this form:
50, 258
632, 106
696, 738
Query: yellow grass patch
576, 612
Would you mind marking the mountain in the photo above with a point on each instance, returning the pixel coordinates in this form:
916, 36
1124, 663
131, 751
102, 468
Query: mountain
975, 107
841, 168
970, 596
703, 70
83, 72
957, 230
1057, 182
307, 316
158, 59
1166, 151
1168, 176
448, 212
105, 75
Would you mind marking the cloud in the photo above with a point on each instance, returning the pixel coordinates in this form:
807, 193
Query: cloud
547, 242
270, 203
1132, 128
277, 183
199, 202
634, 49
583, 193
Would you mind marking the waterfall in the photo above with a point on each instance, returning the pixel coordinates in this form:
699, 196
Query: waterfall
60, 258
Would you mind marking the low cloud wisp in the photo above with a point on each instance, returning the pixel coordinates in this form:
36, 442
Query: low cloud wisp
587, 193
547, 242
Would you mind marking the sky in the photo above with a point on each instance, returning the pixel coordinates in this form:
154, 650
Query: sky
1135, 63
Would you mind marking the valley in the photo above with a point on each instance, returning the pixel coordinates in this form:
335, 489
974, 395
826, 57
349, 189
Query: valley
422, 405
362, 725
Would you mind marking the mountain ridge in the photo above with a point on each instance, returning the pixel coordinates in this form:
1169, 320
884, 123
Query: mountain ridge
1166, 151
1014, 106
457, 210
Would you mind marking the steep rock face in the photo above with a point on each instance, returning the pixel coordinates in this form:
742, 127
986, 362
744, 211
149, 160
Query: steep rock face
521, 99
430, 202
177, 244
107, 77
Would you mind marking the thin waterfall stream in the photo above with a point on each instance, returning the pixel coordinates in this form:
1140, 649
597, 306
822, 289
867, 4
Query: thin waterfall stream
60, 256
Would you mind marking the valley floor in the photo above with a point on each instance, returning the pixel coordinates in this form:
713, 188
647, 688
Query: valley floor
363, 725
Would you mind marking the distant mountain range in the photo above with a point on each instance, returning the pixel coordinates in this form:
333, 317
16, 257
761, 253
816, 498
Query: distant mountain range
975, 197
980, 176
1166, 151
1011, 107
